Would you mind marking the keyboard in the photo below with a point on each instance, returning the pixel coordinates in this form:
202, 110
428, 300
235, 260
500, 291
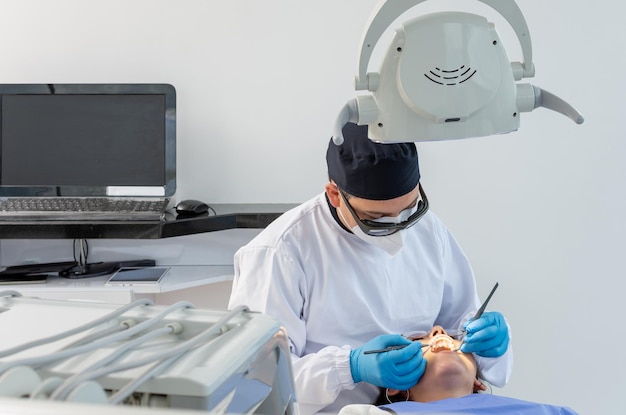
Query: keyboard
82, 208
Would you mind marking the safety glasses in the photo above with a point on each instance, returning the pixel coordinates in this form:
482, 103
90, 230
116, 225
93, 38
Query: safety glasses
373, 228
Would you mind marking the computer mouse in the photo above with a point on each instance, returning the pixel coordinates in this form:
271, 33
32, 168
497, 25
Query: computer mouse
191, 207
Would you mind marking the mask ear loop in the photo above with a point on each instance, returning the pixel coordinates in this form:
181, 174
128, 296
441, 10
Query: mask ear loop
389, 400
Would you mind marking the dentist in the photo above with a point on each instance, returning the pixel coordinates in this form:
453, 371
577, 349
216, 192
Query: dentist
359, 265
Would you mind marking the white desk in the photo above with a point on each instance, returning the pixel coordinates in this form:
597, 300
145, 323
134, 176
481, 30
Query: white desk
193, 281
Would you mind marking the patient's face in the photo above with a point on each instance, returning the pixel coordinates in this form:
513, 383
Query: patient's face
445, 367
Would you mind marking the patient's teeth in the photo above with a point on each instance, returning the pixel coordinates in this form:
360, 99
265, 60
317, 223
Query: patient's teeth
441, 343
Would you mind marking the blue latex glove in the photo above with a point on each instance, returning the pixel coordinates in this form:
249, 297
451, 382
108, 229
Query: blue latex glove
487, 336
396, 369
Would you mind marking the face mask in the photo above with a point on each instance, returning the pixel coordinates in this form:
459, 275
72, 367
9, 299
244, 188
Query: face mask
391, 244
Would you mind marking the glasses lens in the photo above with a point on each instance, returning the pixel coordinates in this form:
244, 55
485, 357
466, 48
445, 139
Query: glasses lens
419, 212
374, 228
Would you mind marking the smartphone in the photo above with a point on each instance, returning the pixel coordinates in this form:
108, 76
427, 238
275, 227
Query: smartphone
138, 276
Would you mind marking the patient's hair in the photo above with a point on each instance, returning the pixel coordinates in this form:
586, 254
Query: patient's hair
384, 399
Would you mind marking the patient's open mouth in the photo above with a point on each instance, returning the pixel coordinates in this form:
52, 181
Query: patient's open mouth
441, 343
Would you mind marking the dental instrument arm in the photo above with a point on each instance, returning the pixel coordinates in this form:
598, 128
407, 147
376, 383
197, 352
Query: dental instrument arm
63, 354
60, 393
76, 330
162, 359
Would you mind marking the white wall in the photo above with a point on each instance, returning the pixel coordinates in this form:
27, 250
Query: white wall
259, 85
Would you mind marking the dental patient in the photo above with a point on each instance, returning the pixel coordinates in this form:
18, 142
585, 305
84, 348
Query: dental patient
449, 386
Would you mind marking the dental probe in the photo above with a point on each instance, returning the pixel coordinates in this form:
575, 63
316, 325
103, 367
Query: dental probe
479, 313
390, 348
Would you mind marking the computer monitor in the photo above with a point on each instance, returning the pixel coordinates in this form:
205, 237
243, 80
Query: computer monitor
87, 140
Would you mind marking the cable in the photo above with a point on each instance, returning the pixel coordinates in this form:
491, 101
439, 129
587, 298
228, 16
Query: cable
129, 388
78, 329
171, 328
83, 251
70, 383
43, 360
123, 325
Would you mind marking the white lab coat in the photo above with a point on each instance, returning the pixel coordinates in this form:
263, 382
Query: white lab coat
334, 292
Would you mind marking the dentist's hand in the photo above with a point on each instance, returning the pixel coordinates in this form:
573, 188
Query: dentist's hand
396, 369
487, 336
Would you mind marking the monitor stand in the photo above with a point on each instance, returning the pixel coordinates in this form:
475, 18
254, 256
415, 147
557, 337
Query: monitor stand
90, 270
83, 269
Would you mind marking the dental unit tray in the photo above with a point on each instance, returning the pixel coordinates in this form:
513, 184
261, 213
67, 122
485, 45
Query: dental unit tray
192, 359
445, 76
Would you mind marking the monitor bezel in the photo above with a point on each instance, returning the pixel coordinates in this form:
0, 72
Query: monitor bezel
167, 90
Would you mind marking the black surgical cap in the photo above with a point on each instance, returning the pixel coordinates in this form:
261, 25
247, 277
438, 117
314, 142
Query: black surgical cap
372, 170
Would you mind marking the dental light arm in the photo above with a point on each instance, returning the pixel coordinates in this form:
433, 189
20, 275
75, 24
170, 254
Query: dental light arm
445, 76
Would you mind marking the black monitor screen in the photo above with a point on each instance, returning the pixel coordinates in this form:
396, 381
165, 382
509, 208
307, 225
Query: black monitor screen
84, 142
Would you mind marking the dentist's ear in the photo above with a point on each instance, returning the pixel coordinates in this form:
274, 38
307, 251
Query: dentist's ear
332, 191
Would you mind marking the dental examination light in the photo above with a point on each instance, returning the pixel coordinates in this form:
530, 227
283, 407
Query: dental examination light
445, 76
